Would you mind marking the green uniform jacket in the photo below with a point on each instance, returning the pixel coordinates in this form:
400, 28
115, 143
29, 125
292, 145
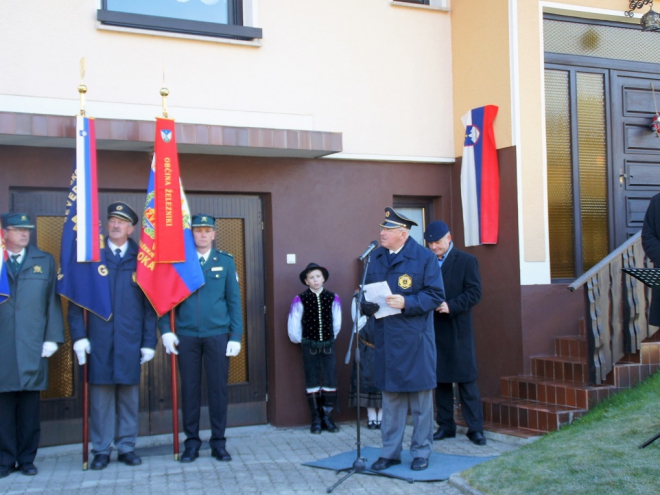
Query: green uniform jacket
30, 317
215, 308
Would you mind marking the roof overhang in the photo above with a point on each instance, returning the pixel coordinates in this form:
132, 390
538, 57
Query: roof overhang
56, 131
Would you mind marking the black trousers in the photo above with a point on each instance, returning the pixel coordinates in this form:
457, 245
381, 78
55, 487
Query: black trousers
212, 351
320, 366
470, 406
19, 427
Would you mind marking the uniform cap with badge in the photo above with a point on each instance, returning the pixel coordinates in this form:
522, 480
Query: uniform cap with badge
395, 220
16, 220
203, 221
121, 210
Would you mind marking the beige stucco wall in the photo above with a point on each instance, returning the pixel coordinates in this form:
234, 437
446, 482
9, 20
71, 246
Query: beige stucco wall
503, 64
379, 73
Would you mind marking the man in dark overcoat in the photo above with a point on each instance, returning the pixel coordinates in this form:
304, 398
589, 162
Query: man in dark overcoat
651, 245
116, 347
209, 326
31, 326
454, 336
405, 357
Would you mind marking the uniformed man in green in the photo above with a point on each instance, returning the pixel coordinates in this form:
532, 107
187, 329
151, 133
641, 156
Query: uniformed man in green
209, 327
31, 327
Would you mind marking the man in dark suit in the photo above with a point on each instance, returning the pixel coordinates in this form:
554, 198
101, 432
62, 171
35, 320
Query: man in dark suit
454, 336
117, 347
651, 245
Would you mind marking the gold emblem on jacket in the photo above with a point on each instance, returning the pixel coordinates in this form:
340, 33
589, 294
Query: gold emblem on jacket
405, 282
37, 269
103, 271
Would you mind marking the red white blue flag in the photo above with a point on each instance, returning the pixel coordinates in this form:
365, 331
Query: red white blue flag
4, 280
480, 178
166, 274
87, 222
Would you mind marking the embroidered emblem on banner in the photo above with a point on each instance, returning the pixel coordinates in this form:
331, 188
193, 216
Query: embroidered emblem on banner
166, 135
37, 269
405, 282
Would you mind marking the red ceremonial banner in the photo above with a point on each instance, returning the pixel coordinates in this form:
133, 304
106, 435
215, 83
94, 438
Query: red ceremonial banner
168, 220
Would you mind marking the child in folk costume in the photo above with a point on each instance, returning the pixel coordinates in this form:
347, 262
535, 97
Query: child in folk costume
314, 322
370, 397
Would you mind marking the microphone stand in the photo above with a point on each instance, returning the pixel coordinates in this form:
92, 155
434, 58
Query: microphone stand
359, 465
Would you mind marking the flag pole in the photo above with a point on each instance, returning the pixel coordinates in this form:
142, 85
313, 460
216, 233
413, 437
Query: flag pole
175, 393
82, 89
164, 92
85, 435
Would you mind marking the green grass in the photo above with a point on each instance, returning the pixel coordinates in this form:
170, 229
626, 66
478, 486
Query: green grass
596, 454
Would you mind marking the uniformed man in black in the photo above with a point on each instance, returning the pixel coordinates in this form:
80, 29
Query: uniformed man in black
209, 328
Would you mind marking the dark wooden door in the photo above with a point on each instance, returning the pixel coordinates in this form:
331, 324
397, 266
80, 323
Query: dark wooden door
635, 149
238, 231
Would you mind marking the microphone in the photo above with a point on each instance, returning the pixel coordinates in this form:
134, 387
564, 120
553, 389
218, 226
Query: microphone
367, 252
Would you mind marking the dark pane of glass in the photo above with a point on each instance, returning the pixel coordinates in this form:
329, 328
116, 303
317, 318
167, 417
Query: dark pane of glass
560, 169
193, 10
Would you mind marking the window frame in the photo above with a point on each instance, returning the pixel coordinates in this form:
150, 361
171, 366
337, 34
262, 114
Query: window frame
234, 30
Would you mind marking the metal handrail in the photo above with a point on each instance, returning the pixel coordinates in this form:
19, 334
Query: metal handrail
585, 277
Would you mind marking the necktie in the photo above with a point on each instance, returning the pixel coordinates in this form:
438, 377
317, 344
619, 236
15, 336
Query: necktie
118, 255
202, 260
14, 262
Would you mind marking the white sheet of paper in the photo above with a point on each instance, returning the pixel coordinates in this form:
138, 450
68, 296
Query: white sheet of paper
376, 293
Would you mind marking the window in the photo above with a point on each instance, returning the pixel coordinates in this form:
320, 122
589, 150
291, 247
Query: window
422, 2
216, 18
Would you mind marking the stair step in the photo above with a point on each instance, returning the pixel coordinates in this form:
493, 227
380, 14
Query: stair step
571, 346
648, 354
519, 413
560, 368
627, 375
558, 392
507, 430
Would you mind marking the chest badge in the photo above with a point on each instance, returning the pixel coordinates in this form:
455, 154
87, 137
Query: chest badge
405, 282
134, 278
37, 269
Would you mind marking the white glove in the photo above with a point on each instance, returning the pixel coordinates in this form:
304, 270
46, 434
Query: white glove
147, 355
82, 347
48, 349
170, 341
233, 348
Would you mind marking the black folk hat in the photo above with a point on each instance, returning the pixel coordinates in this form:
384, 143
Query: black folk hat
394, 220
121, 210
309, 268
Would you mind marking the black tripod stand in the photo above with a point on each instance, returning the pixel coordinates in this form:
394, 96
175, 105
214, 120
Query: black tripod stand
359, 465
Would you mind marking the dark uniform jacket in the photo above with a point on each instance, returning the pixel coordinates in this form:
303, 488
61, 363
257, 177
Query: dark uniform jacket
215, 308
405, 357
454, 336
115, 357
31, 316
651, 244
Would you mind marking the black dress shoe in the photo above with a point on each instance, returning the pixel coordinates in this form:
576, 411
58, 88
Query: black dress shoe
442, 434
28, 469
383, 463
477, 438
221, 454
189, 455
100, 461
5, 471
130, 459
419, 464
372, 425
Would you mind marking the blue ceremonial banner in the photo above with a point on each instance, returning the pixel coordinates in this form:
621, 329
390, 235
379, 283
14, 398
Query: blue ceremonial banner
85, 284
4, 281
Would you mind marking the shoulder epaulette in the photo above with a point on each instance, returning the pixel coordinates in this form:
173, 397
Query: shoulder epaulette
225, 253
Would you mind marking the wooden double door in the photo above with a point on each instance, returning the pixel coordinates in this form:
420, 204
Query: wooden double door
239, 230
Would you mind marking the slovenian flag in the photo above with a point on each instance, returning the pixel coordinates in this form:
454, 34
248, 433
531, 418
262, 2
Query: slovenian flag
83, 276
88, 245
168, 271
4, 280
480, 178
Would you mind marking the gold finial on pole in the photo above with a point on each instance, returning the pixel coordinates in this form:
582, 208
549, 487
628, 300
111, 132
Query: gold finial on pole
82, 89
164, 92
